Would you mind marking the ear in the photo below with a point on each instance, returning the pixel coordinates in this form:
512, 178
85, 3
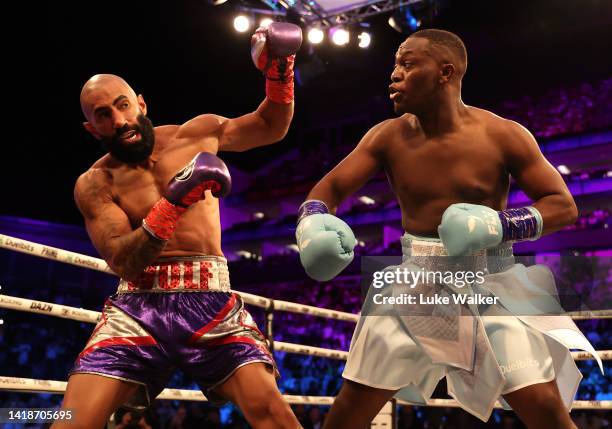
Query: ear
92, 130
142, 104
446, 72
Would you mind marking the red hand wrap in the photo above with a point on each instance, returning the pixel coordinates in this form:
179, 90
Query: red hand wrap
280, 92
279, 77
197, 193
162, 219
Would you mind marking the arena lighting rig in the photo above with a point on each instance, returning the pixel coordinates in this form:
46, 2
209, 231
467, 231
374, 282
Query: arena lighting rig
332, 20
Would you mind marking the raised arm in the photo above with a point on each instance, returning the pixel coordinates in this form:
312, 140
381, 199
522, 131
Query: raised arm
125, 250
266, 125
273, 52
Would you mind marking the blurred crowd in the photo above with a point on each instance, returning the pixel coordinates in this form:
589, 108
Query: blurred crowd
561, 111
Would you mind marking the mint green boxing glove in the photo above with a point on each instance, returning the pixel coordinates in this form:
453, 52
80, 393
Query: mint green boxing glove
467, 228
326, 242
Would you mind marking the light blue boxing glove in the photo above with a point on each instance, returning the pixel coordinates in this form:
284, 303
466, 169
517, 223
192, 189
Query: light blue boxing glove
467, 228
326, 242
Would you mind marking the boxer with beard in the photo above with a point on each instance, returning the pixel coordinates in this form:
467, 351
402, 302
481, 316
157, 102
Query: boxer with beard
134, 152
151, 210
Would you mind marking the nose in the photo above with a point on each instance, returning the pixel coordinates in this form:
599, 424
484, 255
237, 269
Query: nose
396, 75
119, 120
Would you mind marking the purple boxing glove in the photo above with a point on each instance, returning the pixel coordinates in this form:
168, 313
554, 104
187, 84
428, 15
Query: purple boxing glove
273, 51
205, 172
281, 38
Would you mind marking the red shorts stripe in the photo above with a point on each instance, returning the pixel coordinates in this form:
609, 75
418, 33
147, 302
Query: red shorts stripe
119, 341
232, 339
218, 319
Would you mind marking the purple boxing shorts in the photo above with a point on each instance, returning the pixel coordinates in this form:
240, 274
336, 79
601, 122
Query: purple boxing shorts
180, 314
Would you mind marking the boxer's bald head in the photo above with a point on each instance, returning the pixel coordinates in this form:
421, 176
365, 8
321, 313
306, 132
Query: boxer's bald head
100, 85
117, 117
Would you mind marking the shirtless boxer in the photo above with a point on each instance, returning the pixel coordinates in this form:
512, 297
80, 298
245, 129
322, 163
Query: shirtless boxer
449, 166
150, 209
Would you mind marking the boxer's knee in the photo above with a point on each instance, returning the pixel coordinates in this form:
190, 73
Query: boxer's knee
540, 406
552, 411
270, 407
279, 410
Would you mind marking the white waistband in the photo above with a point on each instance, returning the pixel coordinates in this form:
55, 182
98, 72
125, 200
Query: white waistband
188, 274
495, 259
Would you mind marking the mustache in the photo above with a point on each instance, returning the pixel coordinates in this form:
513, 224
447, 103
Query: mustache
125, 129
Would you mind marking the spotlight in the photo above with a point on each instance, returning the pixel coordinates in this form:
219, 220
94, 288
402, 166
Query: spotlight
364, 39
366, 200
315, 36
265, 22
403, 21
340, 36
244, 254
563, 169
216, 2
241, 23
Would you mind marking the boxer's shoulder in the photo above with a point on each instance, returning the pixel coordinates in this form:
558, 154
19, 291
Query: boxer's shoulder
507, 134
207, 124
95, 177
201, 133
386, 129
93, 185
101, 171
164, 133
497, 126
375, 140
407, 124
395, 131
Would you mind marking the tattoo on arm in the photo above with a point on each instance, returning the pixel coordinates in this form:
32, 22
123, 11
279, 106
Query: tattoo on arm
135, 251
127, 251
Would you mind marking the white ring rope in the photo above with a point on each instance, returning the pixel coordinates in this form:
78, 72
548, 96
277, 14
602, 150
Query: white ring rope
82, 315
29, 385
60, 255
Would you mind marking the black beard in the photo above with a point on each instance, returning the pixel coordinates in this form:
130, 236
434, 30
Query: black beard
135, 152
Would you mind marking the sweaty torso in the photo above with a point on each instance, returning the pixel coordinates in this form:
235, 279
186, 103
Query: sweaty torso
429, 174
136, 189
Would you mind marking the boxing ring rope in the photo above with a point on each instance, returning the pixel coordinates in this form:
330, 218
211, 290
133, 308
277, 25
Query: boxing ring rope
30, 385
84, 261
72, 258
90, 316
